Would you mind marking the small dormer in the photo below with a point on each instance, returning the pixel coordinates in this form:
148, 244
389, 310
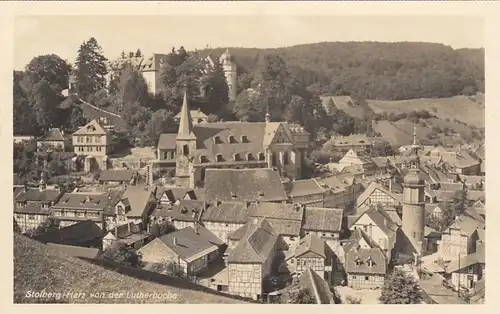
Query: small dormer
358, 261
250, 157
219, 158
370, 262
244, 139
231, 139
203, 159
217, 140
237, 157
261, 156
233, 195
91, 128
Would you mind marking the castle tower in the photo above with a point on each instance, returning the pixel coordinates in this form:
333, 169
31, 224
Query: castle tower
230, 72
186, 148
414, 199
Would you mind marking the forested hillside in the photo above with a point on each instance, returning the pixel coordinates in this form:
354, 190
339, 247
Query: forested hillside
373, 70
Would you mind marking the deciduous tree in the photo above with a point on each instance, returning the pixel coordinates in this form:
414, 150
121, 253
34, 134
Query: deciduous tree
400, 288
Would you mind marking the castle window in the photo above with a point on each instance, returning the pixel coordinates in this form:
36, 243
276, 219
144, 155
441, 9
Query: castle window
261, 156
217, 140
237, 157
285, 158
244, 139
185, 150
250, 156
203, 159
231, 139
219, 158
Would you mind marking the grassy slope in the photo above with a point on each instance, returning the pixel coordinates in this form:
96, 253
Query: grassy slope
37, 268
355, 111
462, 108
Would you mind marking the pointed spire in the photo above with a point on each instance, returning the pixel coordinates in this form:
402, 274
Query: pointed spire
186, 122
414, 134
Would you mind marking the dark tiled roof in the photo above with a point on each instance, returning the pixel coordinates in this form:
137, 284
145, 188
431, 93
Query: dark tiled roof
37, 195
375, 254
246, 184
117, 175
256, 245
285, 226
32, 208
311, 243
77, 234
53, 135
466, 261
75, 251
323, 219
94, 201
185, 210
137, 198
304, 187
190, 243
167, 141
316, 285
226, 212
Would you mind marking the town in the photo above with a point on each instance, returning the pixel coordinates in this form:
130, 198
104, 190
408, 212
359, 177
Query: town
263, 208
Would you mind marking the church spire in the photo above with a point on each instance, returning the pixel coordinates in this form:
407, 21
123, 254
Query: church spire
414, 134
186, 121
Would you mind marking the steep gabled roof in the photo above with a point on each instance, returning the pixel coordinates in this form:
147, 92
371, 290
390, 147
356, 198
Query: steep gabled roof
323, 219
372, 188
94, 127
311, 243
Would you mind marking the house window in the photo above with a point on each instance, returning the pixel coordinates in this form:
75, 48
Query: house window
89, 139
231, 139
99, 148
97, 139
367, 278
203, 159
185, 150
353, 277
285, 158
219, 158
250, 156
292, 261
244, 139
273, 158
217, 140
237, 157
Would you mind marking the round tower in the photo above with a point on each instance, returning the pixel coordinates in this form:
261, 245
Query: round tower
230, 72
414, 198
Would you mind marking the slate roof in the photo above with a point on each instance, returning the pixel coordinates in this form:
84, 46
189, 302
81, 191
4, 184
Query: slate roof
439, 294
185, 210
75, 251
310, 243
375, 254
226, 212
137, 198
167, 141
354, 239
32, 208
177, 193
117, 175
80, 233
316, 285
36, 195
189, 243
285, 226
323, 219
246, 184
93, 201
257, 244
53, 135
304, 187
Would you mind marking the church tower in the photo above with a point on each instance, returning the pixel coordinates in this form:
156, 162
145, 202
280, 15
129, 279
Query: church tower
414, 199
231, 74
185, 148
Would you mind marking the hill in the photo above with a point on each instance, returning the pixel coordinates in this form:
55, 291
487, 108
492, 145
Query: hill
468, 109
38, 268
374, 70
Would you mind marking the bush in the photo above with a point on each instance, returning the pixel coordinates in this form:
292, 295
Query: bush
122, 254
353, 300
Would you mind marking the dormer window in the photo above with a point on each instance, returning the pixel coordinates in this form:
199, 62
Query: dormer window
358, 262
219, 158
261, 193
237, 157
370, 262
233, 195
244, 139
203, 159
184, 210
250, 156
90, 128
261, 156
231, 139
217, 140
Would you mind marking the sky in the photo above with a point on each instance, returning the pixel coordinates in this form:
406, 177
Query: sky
62, 35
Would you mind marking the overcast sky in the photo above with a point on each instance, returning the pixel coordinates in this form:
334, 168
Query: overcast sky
62, 35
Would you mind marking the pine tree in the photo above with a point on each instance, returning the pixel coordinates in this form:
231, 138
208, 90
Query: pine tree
90, 69
400, 288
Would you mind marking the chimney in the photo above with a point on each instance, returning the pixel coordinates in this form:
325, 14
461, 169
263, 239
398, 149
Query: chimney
174, 240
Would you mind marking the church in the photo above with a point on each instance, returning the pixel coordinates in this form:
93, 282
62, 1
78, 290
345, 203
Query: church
232, 144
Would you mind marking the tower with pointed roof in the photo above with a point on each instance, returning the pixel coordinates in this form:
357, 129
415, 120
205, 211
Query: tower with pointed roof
185, 148
230, 72
414, 200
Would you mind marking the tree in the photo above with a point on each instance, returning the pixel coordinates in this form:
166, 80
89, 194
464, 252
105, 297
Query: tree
382, 148
25, 122
300, 296
122, 254
76, 118
216, 90
250, 107
161, 121
460, 201
400, 288
51, 68
169, 268
90, 69
133, 88
159, 229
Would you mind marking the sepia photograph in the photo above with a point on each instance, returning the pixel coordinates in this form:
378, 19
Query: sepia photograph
259, 159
